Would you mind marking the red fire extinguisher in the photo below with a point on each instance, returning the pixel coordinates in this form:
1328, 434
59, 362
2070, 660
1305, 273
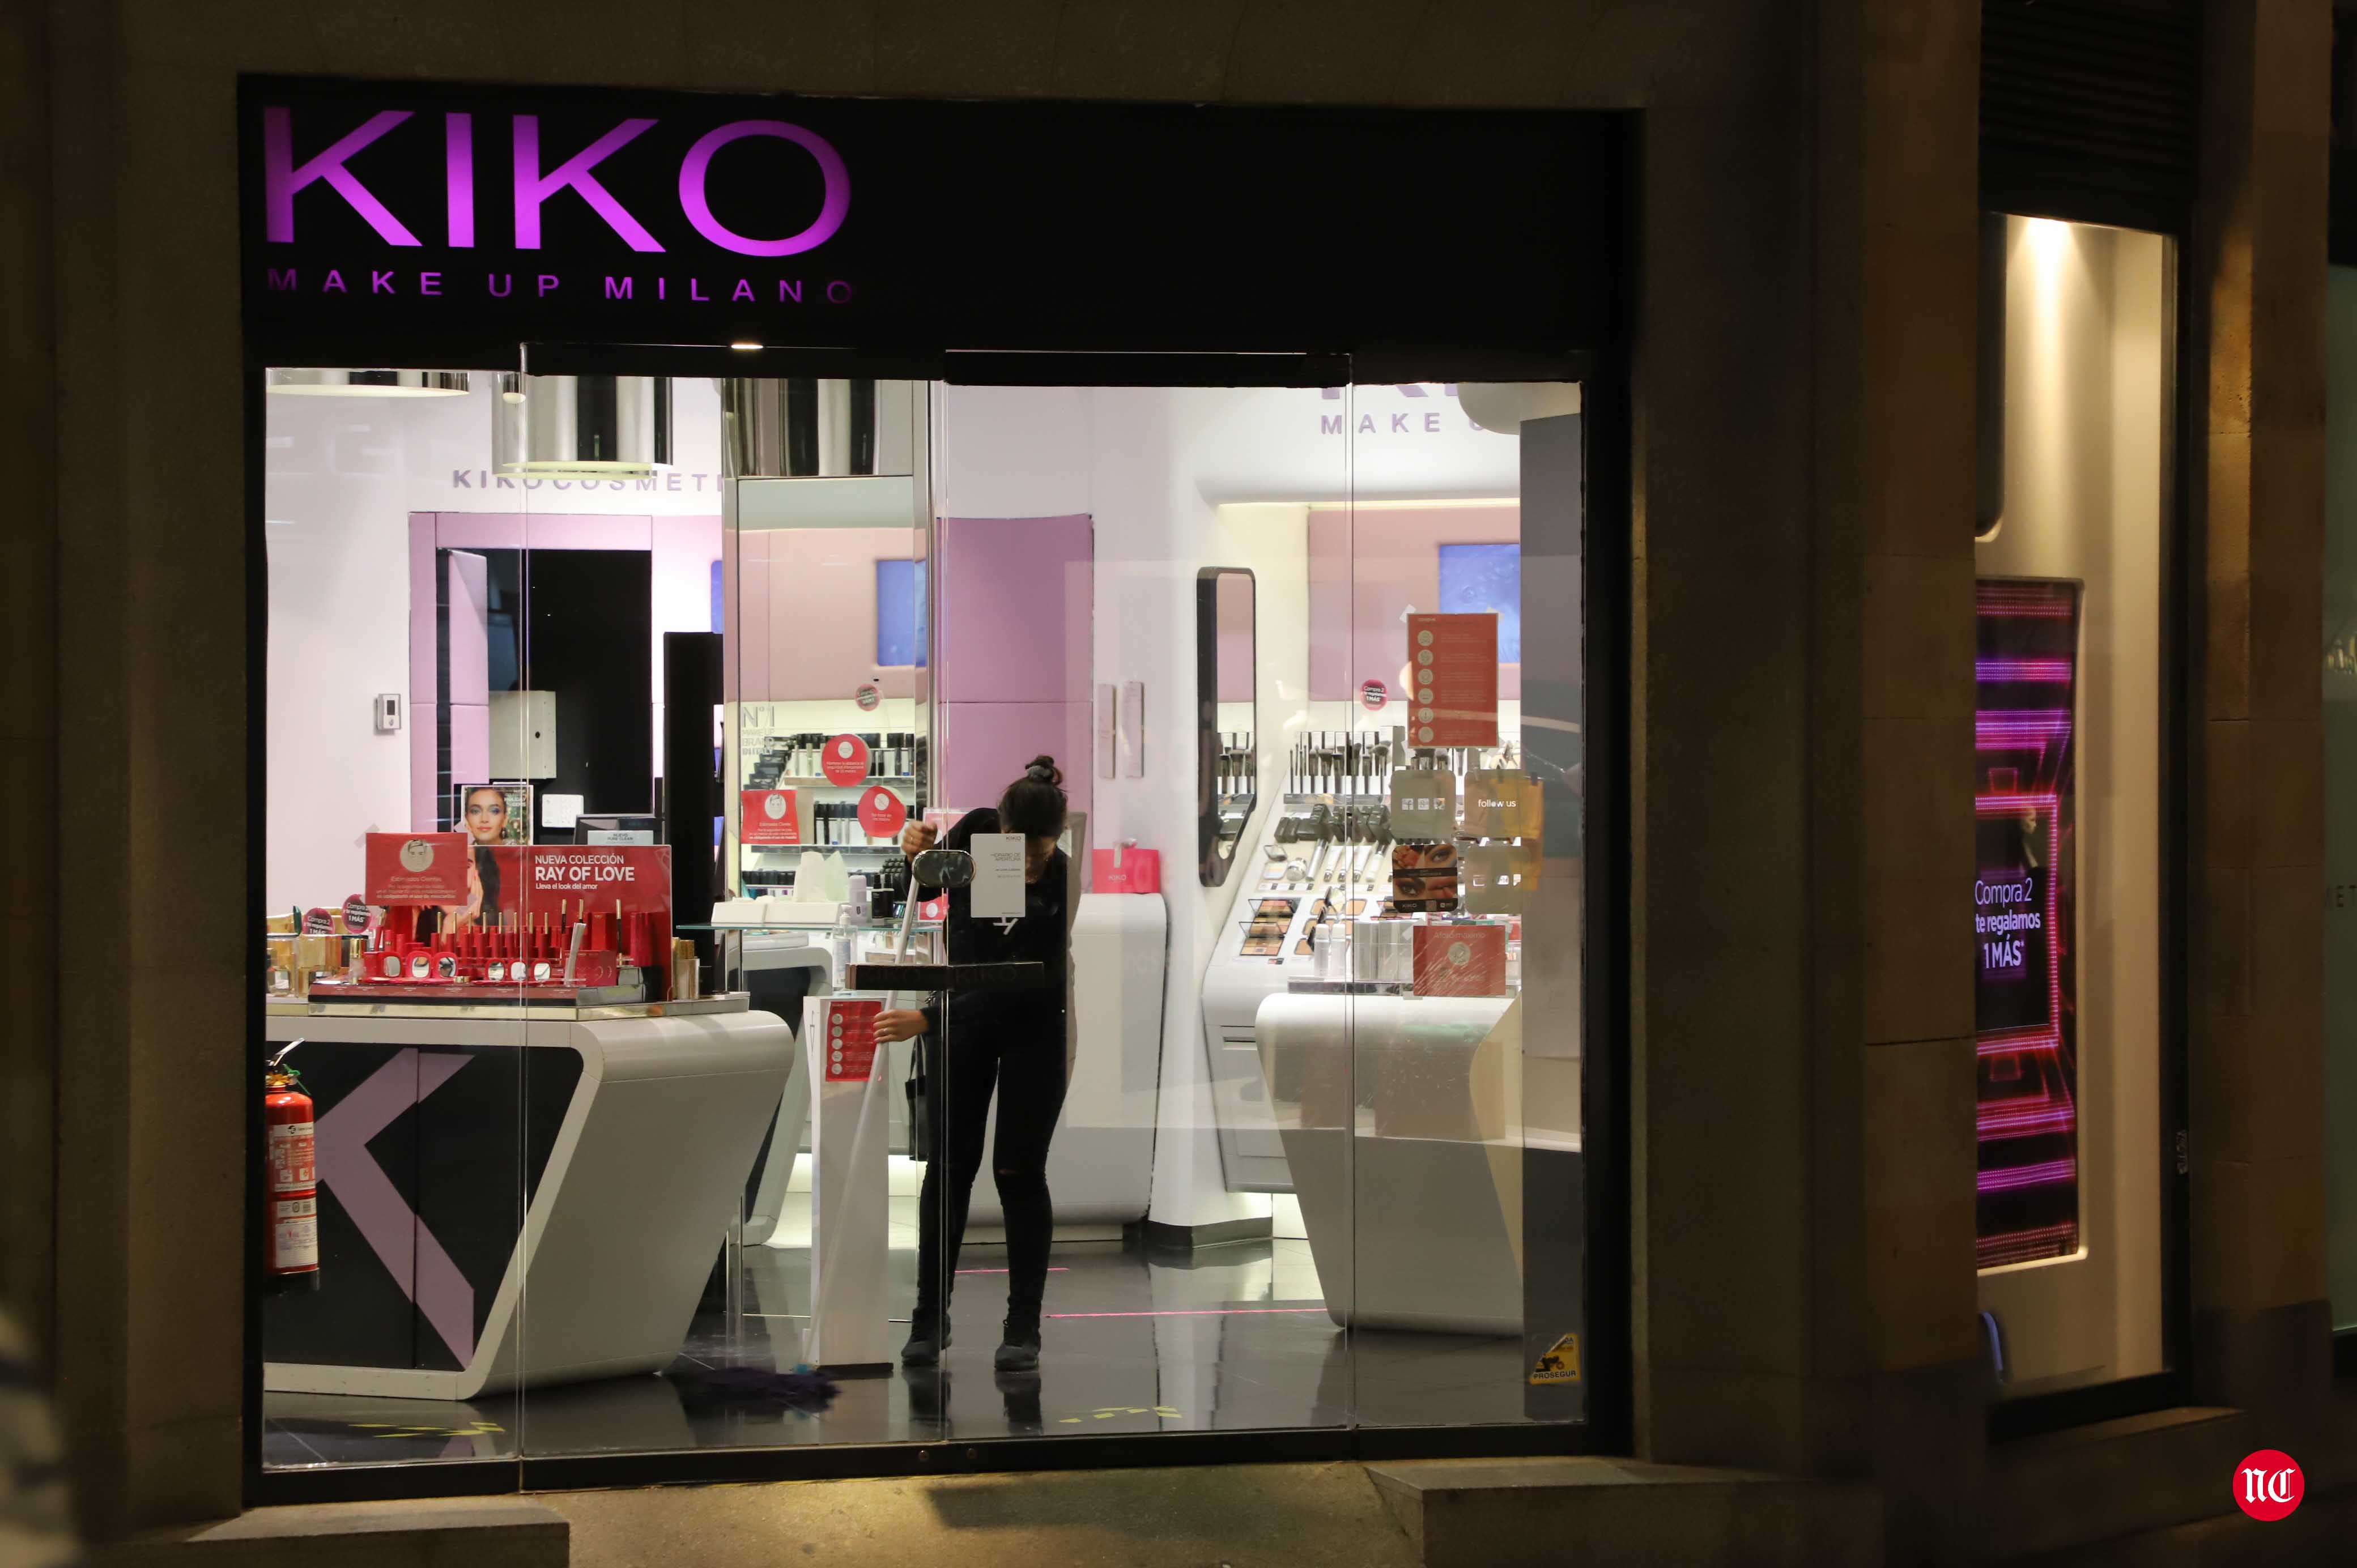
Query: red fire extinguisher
293, 1199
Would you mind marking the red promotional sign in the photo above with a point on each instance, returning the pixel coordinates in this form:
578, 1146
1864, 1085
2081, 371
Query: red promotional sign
845, 760
768, 816
851, 1040
881, 814
1460, 960
637, 876
1452, 661
417, 868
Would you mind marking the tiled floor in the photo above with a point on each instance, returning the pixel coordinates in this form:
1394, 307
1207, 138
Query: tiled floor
1229, 1338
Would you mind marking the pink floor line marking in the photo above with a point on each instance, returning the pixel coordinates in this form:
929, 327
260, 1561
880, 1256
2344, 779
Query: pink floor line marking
1191, 1312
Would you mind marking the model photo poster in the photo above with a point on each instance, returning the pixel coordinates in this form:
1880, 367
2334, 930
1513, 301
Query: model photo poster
2025, 971
1452, 672
493, 813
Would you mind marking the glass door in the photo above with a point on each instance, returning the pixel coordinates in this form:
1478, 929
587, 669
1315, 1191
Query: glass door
402, 921
1126, 574
1447, 720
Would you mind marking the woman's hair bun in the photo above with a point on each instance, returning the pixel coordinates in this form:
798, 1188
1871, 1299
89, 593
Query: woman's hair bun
1034, 805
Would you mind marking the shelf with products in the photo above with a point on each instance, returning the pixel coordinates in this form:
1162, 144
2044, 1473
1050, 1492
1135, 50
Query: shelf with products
881, 846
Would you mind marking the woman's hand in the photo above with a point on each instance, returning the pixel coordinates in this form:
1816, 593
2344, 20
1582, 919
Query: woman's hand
916, 838
898, 1024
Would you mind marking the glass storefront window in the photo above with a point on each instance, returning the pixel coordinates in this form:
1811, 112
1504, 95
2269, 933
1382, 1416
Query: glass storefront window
2068, 898
1285, 1128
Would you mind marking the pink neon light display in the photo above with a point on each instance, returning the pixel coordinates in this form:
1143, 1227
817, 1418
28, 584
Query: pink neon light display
2024, 941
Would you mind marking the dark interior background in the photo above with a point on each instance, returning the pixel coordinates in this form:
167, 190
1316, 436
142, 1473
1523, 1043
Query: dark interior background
578, 623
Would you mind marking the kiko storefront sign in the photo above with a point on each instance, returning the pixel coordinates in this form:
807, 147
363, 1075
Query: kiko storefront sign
488, 216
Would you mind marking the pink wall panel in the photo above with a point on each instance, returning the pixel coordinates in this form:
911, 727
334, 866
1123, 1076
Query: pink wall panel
470, 657
986, 745
747, 602
420, 720
1391, 561
1015, 602
480, 530
1235, 621
587, 530
821, 608
1329, 598
471, 742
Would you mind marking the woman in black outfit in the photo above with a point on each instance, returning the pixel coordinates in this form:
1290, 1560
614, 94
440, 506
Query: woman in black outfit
1012, 1040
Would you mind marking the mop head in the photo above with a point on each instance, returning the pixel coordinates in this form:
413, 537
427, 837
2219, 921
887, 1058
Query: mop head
802, 1390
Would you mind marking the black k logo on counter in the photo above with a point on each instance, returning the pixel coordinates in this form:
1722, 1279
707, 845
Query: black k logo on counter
489, 216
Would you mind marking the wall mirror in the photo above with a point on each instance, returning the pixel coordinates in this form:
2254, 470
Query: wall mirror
1227, 777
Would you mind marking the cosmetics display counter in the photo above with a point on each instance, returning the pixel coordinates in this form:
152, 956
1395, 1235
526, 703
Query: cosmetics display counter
516, 1194
1405, 1110
1330, 894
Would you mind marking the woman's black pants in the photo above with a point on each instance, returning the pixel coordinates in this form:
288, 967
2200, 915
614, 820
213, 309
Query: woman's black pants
1028, 1075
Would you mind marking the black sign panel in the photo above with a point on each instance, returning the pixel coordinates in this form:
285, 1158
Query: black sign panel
475, 218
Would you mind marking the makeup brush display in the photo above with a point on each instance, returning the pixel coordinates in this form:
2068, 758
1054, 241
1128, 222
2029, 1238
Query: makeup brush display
1235, 773
1375, 832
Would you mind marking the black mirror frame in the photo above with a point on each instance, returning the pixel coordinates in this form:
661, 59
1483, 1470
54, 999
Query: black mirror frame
1215, 861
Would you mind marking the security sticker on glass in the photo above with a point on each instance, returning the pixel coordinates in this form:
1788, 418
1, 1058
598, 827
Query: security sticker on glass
1560, 1364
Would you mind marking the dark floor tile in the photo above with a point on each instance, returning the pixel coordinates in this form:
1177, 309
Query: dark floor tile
1134, 1342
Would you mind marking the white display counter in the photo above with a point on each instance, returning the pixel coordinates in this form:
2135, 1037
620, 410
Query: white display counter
632, 1131
1400, 1117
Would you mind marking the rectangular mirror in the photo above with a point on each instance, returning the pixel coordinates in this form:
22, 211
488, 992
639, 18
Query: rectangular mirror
1227, 778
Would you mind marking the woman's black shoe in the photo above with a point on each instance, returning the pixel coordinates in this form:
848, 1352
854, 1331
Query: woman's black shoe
1020, 1350
925, 1345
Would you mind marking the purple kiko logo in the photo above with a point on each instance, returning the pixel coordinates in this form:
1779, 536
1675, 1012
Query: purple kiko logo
536, 180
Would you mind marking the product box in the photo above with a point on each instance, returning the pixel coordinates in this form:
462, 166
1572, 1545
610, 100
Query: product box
1460, 960
1123, 869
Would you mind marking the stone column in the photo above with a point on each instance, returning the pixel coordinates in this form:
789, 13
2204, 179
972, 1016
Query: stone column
1894, 1352
152, 827
28, 677
2262, 1327
1804, 1054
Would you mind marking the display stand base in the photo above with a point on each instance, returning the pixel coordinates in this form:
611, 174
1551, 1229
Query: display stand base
856, 1368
